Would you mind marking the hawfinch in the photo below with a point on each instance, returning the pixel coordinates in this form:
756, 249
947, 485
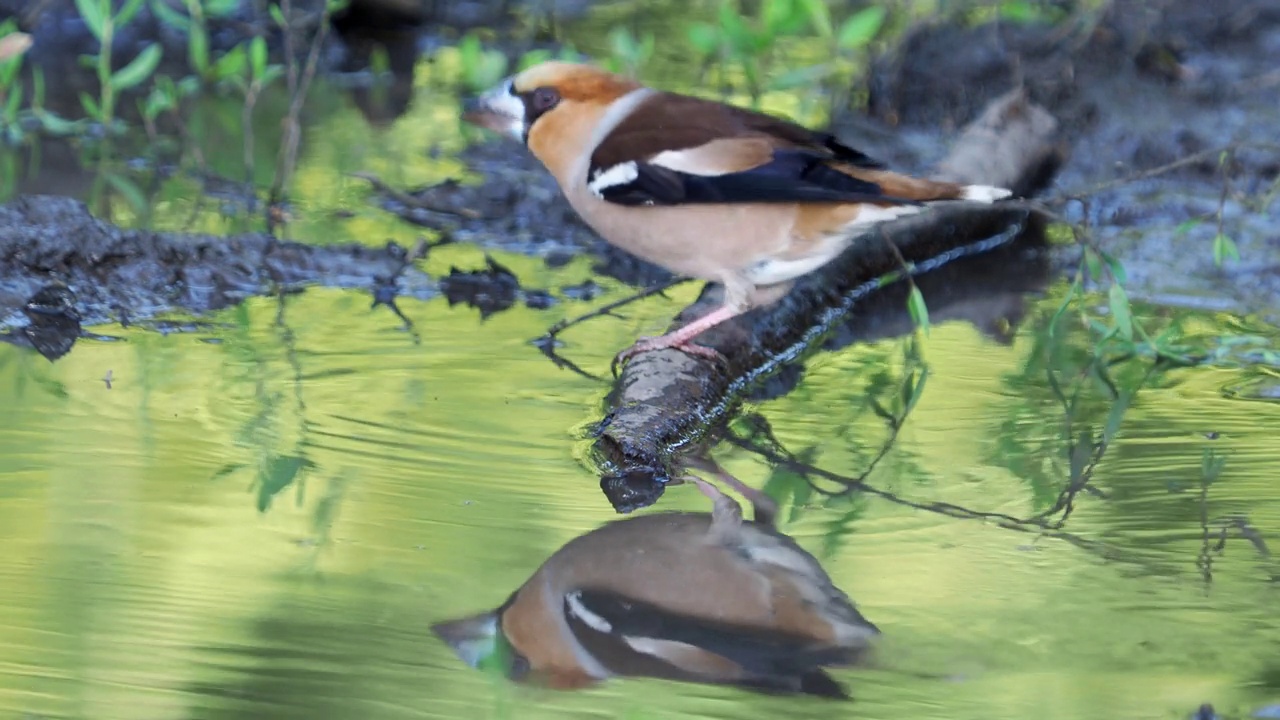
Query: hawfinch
698, 597
704, 189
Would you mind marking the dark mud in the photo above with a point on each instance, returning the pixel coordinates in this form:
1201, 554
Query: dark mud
1141, 86
491, 290
110, 274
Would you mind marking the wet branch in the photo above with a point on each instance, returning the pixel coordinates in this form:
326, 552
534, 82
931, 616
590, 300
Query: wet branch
666, 403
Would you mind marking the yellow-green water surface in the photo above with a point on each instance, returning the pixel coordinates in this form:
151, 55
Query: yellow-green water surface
260, 519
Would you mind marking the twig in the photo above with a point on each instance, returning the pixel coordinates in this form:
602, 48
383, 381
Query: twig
553, 331
1191, 159
298, 92
416, 202
781, 457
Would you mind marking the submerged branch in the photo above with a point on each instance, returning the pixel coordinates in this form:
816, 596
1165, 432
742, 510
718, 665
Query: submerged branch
666, 402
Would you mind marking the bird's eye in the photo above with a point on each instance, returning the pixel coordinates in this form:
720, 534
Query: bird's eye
544, 98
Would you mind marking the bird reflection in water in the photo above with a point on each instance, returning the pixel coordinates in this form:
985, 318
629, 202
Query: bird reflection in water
698, 597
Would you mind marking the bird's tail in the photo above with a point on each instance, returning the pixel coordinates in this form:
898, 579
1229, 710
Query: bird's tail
906, 187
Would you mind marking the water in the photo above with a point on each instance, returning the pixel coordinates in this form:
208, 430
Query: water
260, 518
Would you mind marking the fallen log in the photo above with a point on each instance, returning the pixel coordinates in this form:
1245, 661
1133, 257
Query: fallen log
666, 404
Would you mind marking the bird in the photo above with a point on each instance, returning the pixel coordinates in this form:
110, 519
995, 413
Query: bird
686, 596
699, 187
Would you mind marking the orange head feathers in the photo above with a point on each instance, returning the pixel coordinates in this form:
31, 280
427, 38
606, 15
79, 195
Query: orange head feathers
544, 94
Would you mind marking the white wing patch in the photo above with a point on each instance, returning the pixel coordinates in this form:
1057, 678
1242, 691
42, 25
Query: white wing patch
685, 161
592, 620
871, 215
984, 193
605, 178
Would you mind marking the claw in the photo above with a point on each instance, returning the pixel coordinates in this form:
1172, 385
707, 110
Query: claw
649, 344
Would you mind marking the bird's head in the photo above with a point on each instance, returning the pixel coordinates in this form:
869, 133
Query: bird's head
548, 98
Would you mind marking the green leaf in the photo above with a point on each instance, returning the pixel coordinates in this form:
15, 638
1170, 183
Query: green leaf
275, 475
90, 106
1187, 226
784, 17
278, 15
775, 12
56, 125
8, 68
861, 28
269, 76
1116, 416
188, 86
1116, 268
231, 65
741, 40
1211, 465
13, 102
1022, 11
222, 8
533, 57
198, 49
158, 101
258, 56
132, 194
913, 391
800, 77
1092, 263
1120, 311
169, 16
622, 43
91, 12
469, 50
919, 311
138, 70
127, 11
37, 89
1224, 249
704, 38
819, 17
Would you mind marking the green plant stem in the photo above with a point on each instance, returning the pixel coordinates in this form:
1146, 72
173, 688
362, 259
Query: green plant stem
107, 96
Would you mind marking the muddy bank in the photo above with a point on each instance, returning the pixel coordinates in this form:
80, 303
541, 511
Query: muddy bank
1140, 86
113, 274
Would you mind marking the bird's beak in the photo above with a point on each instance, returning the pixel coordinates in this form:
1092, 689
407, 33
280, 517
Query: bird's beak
473, 639
499, 109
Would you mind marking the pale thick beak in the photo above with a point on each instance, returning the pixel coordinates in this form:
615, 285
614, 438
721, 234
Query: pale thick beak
472, 638
499, 109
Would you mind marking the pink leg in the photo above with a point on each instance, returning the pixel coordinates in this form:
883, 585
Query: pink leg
682, 338
764, 509
726, 513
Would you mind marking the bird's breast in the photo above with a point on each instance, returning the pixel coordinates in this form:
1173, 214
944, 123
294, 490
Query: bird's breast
703, 241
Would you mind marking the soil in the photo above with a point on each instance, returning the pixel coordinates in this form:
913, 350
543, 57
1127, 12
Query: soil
1142, 86
59, 263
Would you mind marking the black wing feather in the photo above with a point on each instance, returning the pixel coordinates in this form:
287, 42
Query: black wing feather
762, 653
791, 176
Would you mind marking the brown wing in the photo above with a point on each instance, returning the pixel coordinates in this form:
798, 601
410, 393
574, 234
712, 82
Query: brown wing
676, 149
668, 121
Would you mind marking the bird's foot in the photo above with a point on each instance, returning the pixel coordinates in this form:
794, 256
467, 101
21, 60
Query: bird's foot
662, 342
726, 513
